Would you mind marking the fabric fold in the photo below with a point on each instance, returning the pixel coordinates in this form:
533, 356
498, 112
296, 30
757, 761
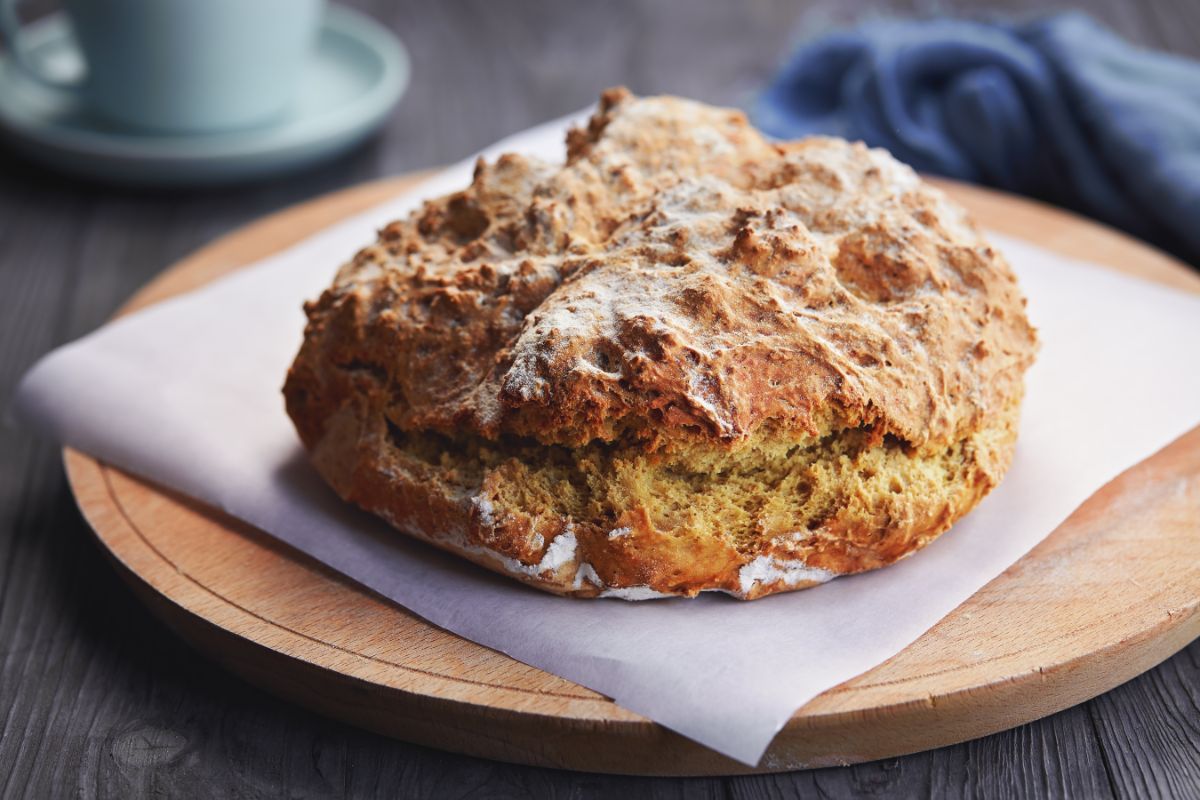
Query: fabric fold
1058, 108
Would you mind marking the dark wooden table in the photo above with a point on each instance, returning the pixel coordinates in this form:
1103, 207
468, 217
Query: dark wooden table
98, 699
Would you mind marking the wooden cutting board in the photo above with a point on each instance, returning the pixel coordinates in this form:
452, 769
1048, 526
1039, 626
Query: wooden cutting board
1112, 592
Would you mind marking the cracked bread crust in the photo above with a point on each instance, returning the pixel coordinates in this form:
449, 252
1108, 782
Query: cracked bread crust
687, 359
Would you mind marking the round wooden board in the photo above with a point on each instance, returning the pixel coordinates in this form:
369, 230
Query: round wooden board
1112, 592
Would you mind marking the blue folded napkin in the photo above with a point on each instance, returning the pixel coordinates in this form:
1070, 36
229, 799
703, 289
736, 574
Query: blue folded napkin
1059, 108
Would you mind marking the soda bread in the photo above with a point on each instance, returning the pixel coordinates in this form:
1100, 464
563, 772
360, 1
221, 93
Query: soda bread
687, 359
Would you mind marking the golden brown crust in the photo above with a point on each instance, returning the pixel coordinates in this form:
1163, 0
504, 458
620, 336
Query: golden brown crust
680, 283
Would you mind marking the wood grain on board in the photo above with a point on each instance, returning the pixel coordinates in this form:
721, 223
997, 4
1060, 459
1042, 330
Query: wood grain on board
1111, 593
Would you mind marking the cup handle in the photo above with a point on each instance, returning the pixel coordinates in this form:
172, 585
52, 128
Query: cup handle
10, 29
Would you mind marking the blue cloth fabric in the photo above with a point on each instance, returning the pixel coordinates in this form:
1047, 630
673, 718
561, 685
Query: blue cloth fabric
1059, 108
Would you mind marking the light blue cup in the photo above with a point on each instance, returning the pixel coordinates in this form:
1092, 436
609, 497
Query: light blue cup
181, 66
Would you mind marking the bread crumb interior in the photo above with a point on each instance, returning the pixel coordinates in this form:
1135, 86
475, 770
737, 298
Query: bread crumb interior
778, 483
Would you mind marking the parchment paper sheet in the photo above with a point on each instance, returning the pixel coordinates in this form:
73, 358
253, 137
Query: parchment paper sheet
187, 394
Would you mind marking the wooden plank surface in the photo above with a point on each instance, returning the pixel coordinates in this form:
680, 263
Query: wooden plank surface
97, 699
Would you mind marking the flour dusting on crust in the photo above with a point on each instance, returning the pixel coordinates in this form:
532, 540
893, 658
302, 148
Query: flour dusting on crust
530, 359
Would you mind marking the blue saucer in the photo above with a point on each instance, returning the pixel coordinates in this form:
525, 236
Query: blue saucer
356, 75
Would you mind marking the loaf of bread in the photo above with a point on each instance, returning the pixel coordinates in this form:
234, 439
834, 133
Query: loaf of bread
686, 359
